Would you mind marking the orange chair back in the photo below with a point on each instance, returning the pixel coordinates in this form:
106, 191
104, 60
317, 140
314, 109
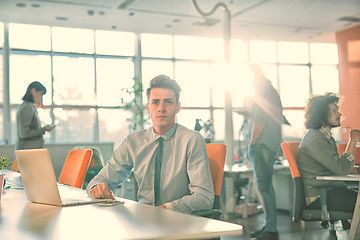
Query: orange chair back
216, 153
75, 167
14, 166
341, 148
290, 150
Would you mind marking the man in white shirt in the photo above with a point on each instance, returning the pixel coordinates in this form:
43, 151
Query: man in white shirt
185, 183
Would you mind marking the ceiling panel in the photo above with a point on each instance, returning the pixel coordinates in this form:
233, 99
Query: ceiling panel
300, 20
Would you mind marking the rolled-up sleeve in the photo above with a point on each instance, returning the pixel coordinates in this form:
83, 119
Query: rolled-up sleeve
115, 171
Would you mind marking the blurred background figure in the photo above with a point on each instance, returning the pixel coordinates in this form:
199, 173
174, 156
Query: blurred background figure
29, 130
265, 124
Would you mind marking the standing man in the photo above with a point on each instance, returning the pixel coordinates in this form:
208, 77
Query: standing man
169, 161
318, 155
266, 120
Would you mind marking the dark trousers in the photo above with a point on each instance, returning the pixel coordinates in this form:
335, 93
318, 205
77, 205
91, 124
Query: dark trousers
338, 199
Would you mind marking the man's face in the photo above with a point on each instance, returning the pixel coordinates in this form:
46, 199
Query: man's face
162, 107
334, 115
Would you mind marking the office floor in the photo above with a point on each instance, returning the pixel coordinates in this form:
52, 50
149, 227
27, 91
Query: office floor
287, 229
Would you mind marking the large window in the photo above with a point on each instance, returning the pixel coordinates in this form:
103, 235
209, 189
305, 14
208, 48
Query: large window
294, 82
1, 34
25, 69
113, 76
114, 43
72, 40
87, 73
74, 80
30, 37
155, 45
76, 125
194, 80
1, 80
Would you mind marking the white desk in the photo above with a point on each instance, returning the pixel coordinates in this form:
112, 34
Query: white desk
356, 216
21, 220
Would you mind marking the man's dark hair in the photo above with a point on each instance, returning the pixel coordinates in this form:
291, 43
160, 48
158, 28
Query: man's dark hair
317, 110
38, 87
163, 81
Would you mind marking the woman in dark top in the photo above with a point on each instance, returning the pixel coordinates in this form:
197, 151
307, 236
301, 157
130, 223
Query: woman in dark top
29, 130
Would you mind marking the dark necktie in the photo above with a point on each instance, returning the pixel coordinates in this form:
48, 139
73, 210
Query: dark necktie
158, 160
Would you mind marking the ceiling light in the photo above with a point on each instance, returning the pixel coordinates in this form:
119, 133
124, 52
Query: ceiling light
21, 5
349, 19
125, 4
61, 18
206, 22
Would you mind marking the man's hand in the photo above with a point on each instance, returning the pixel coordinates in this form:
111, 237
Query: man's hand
102, 190
355, 134
162, 206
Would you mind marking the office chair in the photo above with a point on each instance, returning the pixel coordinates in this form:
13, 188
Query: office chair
96, 164
216, 154
75, 167
300, 211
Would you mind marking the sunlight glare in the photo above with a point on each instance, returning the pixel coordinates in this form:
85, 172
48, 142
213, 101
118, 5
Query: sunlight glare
235, 78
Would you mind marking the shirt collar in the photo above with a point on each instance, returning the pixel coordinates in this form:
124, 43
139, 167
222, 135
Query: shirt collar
328, 135
166, 136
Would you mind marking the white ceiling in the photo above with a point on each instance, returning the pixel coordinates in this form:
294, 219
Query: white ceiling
292, 20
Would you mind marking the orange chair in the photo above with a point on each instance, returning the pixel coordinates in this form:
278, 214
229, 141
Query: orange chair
216, 154
341, 148
75, 167
96, 164
14, 166
300, 212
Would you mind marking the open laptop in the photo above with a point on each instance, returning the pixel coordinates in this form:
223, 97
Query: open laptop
39, 179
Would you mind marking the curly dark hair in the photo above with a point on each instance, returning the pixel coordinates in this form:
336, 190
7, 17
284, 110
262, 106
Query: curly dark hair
317, 110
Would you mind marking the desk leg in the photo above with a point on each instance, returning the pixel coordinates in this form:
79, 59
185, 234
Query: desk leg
247, 200
356, 218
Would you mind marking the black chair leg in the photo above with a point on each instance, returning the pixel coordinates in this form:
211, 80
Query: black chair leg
332, 232
346, 225
332, 235
325, 224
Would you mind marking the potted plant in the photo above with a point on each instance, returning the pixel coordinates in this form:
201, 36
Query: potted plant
4, 163
135, 104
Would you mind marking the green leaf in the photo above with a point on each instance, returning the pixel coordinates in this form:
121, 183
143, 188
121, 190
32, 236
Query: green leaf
4, 162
